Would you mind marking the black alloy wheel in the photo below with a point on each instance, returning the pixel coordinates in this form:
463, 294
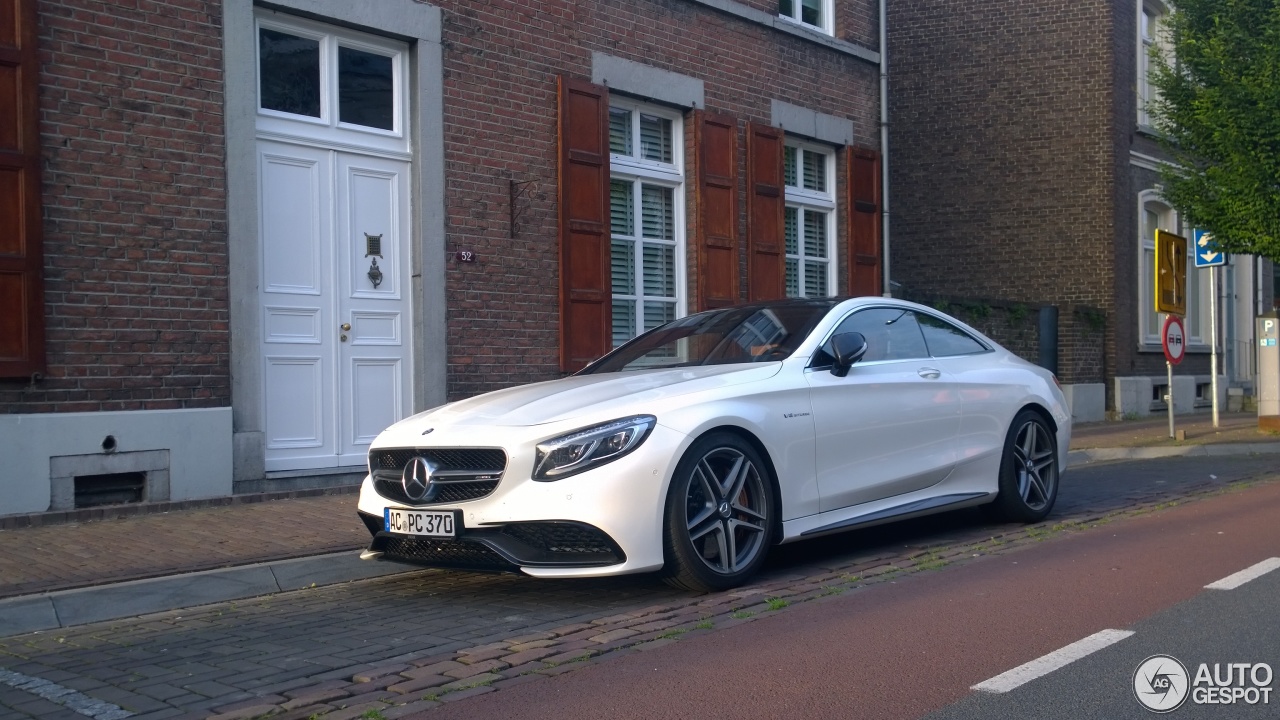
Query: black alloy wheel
719, 516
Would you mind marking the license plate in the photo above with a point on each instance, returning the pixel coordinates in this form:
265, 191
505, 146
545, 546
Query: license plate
431, 523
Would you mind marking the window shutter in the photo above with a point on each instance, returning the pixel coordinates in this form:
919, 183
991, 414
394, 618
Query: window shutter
766, 199
21, 261
584, 223
864, 222
717, 143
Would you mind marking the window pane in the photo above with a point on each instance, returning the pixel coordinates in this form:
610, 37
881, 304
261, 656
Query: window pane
658, 313
622, 219
1147, 301
787, 7
619, 131
789, 167
815, 171
659, 270
624, 321
289, 73
655, 138
891, 334
622, 264
366, 90
793, 277
815, 279
945, 339
657, 207
815, 234
791, 228
811, 12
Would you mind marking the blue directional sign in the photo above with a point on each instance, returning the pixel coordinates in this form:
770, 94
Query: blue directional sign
1207, 252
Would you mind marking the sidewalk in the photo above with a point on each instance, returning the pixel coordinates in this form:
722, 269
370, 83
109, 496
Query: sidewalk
58, 574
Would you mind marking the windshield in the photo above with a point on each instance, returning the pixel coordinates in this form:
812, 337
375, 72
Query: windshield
745, 334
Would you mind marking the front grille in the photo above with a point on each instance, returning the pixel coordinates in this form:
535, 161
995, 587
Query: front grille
478, 460
461, 473
442, 553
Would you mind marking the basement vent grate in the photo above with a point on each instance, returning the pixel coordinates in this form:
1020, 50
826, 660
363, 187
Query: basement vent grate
109, 489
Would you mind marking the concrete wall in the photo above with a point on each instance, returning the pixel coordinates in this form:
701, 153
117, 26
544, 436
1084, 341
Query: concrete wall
197, 442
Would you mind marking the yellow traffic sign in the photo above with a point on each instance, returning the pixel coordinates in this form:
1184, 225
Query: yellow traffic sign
1171, 273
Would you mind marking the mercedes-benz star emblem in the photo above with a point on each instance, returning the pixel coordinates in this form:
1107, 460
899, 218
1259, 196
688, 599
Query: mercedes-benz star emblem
416, 480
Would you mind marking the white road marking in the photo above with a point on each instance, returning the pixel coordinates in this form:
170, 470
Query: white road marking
1231, 582
81, 703
1041, 666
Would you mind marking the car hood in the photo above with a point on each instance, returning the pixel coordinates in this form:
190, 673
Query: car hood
587, 395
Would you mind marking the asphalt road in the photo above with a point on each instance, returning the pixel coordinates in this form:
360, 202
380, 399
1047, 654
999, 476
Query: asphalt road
906, 649
188, 662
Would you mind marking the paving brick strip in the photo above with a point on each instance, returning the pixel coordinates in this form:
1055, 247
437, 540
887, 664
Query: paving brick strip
405, 686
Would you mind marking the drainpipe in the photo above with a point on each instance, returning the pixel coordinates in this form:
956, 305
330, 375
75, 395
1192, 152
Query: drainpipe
884, 147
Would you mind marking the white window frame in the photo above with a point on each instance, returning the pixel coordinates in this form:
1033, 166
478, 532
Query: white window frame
828, 17
799, 197
1197, 291
638, 170
328, 128
1148, 36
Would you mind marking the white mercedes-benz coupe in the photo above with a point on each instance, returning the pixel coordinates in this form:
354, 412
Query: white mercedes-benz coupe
698, 445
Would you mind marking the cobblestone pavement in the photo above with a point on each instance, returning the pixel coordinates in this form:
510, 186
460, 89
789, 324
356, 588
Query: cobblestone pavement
70, 555
404, 643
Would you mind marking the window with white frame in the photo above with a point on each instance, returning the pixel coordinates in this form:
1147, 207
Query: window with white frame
814, 13
1156, 215
646, 204
1150, 22
809, 176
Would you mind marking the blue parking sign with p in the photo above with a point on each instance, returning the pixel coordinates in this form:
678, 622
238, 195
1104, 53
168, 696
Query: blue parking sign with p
1207, 252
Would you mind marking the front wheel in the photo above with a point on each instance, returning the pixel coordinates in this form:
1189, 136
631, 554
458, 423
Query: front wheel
1028, 470
719, 515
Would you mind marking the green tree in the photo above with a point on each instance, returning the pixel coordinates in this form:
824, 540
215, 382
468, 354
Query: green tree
1218, 113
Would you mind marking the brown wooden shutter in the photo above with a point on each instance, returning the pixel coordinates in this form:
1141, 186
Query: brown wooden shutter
21, 262
865, 274
585, 295
766, 202
716, 139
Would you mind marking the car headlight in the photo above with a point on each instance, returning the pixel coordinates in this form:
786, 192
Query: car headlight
582, 449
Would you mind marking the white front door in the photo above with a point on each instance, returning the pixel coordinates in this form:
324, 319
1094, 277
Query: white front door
335, 345
334, 162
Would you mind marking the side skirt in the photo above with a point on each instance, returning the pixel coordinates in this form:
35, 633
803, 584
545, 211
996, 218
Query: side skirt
904, 511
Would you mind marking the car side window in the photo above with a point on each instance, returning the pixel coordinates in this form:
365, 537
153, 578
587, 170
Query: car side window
946, 340
891, 333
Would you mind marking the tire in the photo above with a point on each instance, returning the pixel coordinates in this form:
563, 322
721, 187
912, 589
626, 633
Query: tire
1028, 470
720, 514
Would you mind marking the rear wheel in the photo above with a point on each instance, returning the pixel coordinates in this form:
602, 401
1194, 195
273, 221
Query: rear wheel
719, 515
1028, 470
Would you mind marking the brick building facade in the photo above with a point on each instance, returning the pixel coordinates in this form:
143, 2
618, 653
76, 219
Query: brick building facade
265, 231
1023, 169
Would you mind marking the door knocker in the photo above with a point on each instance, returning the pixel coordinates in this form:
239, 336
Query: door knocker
373, 246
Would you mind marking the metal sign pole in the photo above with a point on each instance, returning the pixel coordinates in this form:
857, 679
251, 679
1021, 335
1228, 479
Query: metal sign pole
1168, 402
1213, 331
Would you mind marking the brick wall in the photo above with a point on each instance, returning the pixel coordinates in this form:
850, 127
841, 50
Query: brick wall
501, 60
134, 208
1004, 156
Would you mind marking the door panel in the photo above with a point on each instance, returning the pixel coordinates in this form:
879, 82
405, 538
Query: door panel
888, 427
372, 219
296, 231
882, 430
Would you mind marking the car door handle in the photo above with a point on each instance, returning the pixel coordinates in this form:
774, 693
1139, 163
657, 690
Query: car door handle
930, 373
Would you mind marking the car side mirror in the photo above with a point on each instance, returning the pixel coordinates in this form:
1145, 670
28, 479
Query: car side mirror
847, 349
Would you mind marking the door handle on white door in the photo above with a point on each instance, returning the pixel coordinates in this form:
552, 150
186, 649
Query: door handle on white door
930, 373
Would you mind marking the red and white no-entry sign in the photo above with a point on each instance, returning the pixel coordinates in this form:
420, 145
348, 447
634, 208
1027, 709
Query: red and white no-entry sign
1174, 339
